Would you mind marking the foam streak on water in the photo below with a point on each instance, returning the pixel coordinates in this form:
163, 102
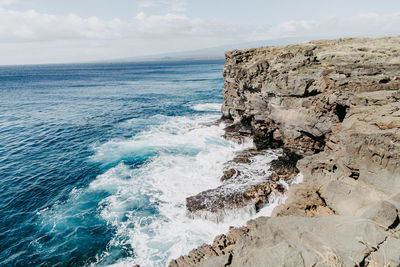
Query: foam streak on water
207, 107
147, 204
97, 161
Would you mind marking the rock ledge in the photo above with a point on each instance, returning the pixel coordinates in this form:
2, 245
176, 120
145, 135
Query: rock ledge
335, 104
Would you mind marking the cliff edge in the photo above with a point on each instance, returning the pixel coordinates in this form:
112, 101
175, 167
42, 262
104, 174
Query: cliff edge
334, 107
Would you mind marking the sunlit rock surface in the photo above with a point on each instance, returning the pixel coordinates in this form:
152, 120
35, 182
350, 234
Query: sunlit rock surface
336, 105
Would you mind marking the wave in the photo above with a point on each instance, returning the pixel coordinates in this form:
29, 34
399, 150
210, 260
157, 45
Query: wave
147, 204
207, 107
148, 177
173, 134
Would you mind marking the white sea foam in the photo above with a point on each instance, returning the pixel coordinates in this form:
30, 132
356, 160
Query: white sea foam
207, 107
147, 204
297, 180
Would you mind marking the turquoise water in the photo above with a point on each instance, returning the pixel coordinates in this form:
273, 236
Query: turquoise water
96, 161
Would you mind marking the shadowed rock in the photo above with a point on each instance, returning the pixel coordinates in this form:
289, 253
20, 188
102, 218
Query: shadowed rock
335, 103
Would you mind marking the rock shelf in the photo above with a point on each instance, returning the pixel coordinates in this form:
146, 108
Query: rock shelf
333, 108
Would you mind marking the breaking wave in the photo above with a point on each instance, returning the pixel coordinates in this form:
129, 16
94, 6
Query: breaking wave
147, 203
207, 107
148, 177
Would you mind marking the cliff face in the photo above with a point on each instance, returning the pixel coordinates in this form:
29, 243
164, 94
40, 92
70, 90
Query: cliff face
296, 96
336, 104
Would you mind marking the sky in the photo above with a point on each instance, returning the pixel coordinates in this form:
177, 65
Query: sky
61, 31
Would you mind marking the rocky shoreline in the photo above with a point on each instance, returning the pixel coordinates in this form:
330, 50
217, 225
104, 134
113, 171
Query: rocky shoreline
332, 109
248, 181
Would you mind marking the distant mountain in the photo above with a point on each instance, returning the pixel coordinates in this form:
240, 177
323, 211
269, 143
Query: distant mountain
215, 52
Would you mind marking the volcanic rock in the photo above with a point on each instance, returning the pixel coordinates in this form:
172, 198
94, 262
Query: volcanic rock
336, 105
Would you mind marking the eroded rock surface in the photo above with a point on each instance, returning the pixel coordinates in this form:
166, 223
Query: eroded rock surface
295, 241
296, 96
335, 104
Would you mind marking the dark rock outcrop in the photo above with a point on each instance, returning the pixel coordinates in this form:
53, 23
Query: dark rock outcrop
246, 182
296, 96
335, 104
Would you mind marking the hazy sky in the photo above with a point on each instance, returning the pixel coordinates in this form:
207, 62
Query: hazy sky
46, 31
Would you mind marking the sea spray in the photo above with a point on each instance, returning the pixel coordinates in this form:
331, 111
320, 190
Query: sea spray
146, 204
55, 120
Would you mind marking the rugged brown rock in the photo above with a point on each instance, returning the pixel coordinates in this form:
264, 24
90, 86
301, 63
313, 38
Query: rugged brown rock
246, 182
336, 105
296, 96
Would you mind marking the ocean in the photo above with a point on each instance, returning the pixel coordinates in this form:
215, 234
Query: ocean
96, 161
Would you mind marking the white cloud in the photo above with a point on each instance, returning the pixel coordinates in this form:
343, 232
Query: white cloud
30, 36
140, 16
16, 26
30, 26
371, 24
167, 5
38, 37
7, 2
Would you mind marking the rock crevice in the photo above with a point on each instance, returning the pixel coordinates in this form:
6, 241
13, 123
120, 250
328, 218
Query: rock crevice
333, 107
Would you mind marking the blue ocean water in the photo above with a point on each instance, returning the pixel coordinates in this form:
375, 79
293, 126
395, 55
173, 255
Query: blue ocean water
96, 161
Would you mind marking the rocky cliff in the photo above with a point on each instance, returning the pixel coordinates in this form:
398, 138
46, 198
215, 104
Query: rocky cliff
333, 107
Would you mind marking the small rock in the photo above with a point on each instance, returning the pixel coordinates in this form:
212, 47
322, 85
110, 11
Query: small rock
228, 174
